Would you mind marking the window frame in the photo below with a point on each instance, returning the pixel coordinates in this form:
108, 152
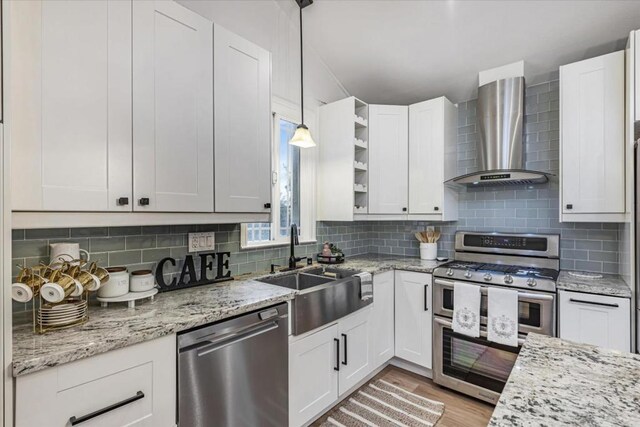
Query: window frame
284, 110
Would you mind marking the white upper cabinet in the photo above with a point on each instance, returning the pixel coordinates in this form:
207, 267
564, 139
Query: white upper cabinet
70, 79
432, 160
592, 167
172, 108
242, 90
388, 159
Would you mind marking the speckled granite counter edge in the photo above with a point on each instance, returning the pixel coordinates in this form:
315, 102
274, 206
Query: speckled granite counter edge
609, 284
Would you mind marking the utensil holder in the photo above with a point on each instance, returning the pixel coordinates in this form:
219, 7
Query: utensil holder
428, 251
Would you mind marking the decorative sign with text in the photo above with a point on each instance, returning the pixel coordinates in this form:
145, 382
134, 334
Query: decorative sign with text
190, 277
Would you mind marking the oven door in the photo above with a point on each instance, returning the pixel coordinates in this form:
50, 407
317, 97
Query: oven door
472, 366
536, 310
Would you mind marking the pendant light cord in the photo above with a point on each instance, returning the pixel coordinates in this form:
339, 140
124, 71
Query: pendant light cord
301, 73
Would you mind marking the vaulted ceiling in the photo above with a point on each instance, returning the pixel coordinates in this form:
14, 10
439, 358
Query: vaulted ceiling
399, 52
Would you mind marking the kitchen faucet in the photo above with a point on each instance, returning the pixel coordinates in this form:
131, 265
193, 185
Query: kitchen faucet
294, 241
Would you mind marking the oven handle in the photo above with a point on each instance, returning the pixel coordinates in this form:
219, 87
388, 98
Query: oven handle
483, 333
484, 291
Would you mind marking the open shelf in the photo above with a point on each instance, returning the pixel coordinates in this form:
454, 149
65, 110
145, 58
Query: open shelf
360, 144
359, 188
359, 166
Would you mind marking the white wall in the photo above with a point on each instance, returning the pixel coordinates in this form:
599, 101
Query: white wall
274, 25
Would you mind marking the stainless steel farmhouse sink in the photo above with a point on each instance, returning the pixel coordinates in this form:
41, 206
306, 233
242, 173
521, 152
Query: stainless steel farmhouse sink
326, 294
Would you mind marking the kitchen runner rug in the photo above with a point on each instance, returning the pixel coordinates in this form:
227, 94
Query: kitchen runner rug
383, 404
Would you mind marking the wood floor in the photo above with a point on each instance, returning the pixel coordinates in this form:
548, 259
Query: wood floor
459, 411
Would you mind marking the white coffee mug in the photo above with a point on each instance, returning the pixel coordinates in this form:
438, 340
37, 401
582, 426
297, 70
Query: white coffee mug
66, 252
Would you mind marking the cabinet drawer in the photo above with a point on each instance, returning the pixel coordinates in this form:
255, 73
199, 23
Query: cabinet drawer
100, 394
595, 319
132, 386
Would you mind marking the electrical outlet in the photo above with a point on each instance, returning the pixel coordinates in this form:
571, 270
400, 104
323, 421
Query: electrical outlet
431, 228
202, 242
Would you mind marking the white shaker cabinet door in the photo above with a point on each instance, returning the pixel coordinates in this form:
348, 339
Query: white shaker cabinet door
592, 135
382, 318
355, 351
242, 91
595, 319
388, 159
313, 375
636, 66
172, 108
70, 80
413, 317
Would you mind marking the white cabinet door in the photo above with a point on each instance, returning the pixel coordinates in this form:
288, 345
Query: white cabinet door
313, 378
70, 80
382, 318
100, 381
172, 108
592, 135
432, 158
388, 159
355, 351
595, 319
413, 317
637, 71
242, 90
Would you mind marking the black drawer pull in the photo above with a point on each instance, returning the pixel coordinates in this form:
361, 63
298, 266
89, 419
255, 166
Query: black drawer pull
605, 304
267, 205
435, 208
344, 336
426, 304
144, 201
569, 206
337, 367
122, 201
75, 421
404, 209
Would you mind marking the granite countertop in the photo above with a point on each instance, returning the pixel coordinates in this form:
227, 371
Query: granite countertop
379, 263
559, 383
118, 326
608, 284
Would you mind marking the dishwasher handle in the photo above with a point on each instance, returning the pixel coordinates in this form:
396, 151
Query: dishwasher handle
205, 347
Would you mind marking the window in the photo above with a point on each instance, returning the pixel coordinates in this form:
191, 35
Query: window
287, 182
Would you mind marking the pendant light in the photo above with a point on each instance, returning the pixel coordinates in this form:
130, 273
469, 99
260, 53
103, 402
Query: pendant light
302, 137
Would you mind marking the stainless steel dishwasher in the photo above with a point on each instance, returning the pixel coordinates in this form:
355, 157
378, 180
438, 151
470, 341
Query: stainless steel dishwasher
235, 373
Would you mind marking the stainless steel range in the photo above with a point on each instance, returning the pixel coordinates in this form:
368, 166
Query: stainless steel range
527, 263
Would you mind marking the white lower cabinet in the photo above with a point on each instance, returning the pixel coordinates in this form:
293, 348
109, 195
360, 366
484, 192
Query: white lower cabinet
327, 363
595, 319
382, 318
313, 380
413, 322
355, 349
145, 371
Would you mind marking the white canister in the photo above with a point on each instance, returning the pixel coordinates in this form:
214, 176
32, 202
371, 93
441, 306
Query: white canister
428, 251
117, 285
141, 281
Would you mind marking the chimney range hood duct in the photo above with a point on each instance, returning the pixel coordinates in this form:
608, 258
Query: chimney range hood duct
499, 148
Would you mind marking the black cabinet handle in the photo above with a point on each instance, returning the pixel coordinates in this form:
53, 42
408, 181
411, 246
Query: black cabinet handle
404, 209
77, 420
426, 302
267, 205
144, 201
569, 206
122, 201
337, 367
344, 336
604, 304
435, 208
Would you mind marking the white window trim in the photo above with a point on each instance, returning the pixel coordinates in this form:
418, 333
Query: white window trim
286, 110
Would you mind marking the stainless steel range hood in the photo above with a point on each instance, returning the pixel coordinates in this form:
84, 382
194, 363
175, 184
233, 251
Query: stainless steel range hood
500, 150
